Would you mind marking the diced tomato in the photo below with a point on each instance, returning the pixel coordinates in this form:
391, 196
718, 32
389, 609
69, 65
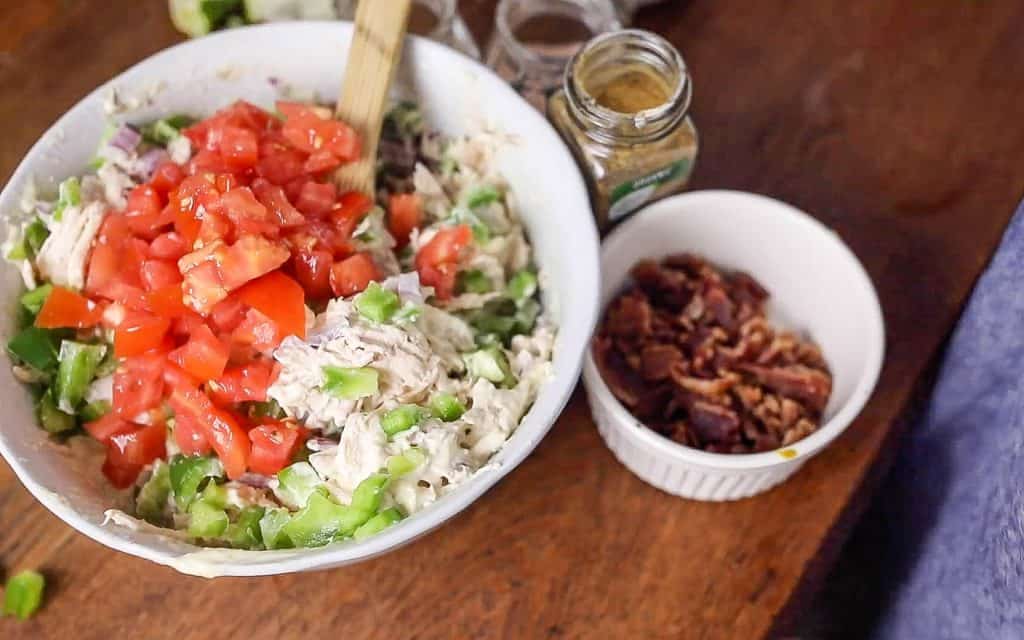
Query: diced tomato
177, 378
316, 198
166, 302
353, 274
281, 166
120, 477
281, 299
290, 109
220, 428
227, 314
355, 204
194, 192
138, 385
308, 132
139, 333
437, 262
137, 447
203, 287
248, 258
185, 324
247, 213
257, 331
65, 308
105, 427
321, 161
157, 274
274, 199
313, 270
273, 445
405, 213
168, 246
203, 356
239, 147
244, 383
143, 211
167, 177
188, 434
214, 226
207, 161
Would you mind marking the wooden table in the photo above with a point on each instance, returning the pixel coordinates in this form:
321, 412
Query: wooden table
896, 123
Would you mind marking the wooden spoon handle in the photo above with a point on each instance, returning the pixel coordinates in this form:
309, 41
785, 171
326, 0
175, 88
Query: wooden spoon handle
372, 59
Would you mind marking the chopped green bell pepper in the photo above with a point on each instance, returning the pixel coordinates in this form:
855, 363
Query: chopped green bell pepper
69, 194
33, 300
322, 520
482, 195
206, 520
271, 529
377, 304
152, 499
51, 418
245, 532
78, 363
378, 523
350, 383
447, 407
401, 419
368, 493
491, 364
188, 473
296, 483
473, 281
94, 410
35, 347
522, 286
23, 594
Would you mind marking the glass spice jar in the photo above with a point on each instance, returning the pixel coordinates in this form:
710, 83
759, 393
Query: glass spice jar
623, 110
534, 40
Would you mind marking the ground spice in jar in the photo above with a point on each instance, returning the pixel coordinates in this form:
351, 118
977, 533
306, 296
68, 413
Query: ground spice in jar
623, 110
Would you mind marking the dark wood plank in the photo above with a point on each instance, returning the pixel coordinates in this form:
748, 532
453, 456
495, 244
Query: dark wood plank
892, 122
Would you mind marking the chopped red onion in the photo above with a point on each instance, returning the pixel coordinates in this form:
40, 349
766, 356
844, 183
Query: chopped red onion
274, 81
125, 138
254, 480
151, 160
407, 286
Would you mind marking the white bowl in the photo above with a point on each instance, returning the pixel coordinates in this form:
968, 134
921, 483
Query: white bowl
458, 96
816, 285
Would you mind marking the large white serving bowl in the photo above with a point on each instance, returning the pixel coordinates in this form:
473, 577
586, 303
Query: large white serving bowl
458, 96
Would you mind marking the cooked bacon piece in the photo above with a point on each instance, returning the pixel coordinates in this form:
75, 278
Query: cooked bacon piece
690, 352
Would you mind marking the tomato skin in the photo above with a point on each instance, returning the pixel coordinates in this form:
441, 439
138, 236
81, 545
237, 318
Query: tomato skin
281, 299
175, 377
166, 302
188, 434
106, 426
138, 333
120, 477
281, 166
273, 445
276, 201
247, 213
220, 428
353, 274
227, 314
65, 308
143, 211
203, 356
168, 246
244, 383
238, 147
313, 271
157, 274
167, 177
316, 198
437, 261
405, 213
137, 447
138, 385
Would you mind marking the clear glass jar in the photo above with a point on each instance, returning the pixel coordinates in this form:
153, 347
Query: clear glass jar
435, 19
534, 40
623, 110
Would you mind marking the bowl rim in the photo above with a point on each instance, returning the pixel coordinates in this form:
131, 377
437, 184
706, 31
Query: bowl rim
799, 451
215, 562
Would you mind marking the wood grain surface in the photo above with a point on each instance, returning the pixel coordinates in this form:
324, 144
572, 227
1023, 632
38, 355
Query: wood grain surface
896, 123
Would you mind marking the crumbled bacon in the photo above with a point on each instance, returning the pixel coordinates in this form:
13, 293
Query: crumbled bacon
688, 350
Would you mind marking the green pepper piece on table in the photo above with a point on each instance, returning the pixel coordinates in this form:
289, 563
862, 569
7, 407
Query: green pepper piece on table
23, 594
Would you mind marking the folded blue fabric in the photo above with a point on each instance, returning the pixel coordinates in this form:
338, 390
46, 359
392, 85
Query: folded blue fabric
955, 501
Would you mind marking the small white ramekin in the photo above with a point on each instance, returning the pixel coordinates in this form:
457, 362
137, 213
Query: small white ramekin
817, 286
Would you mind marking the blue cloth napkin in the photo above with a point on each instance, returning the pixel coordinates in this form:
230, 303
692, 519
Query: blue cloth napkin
954, 505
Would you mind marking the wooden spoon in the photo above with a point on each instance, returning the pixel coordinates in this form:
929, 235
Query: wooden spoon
372, 59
